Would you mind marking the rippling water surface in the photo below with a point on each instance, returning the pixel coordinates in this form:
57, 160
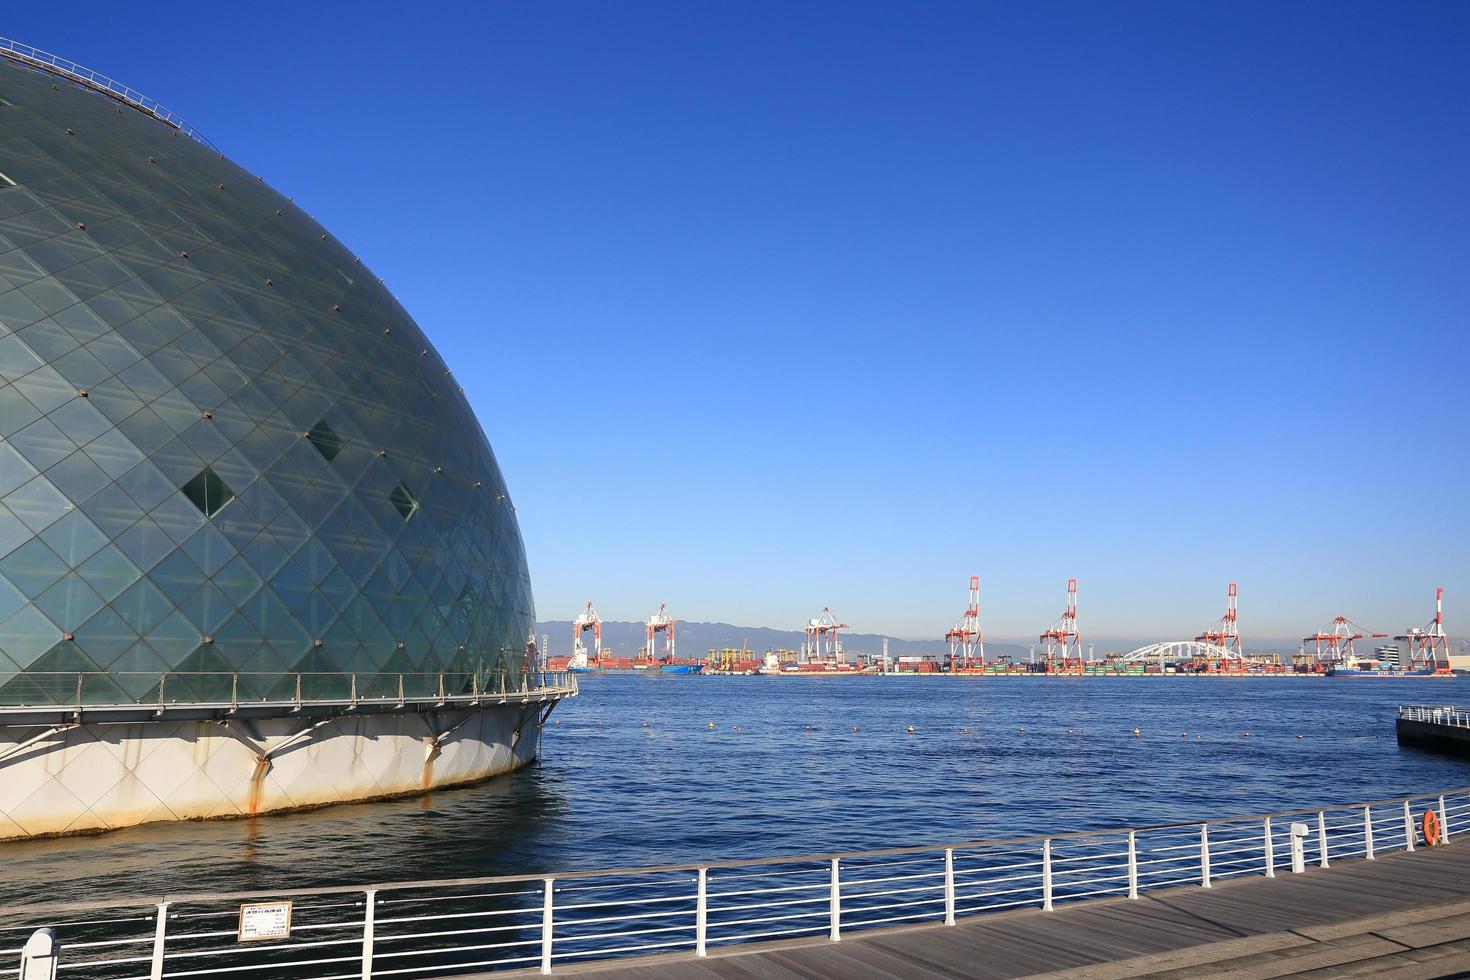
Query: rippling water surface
632, 774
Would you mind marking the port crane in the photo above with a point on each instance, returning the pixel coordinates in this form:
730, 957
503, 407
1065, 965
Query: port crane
1430, 645
823, 640
586, 620
1062, 640
1334, 642
660, 622
967, 639
1226, 633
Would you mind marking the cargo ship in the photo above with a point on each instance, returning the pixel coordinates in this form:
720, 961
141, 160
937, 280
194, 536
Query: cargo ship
681, 667
1387, 661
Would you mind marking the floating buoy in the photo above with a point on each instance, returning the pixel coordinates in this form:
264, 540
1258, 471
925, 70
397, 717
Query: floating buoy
1022, 730
1245, 734
1069, 731
711, 724
1196, 738
1136, 733
1299, 737
854, 728
911, 729
964, 731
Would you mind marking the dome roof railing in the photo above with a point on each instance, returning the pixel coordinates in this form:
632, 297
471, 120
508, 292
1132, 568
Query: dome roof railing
45, 61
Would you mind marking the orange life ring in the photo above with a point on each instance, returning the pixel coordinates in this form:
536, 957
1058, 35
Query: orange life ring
1431, 828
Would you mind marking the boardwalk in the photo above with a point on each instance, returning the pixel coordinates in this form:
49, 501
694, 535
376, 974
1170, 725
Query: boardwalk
1403, 915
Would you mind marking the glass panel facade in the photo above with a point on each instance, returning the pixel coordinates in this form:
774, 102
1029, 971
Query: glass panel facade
211, 416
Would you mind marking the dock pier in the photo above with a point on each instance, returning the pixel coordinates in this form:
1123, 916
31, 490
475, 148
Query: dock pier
1443, 729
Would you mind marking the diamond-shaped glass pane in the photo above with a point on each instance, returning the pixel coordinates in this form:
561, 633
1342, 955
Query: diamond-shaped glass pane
140, 389
404, 501
208, 492
325, 440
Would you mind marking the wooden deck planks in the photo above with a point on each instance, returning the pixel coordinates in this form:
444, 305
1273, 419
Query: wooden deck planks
1403, 913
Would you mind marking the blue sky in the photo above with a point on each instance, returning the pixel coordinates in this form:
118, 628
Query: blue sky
771, 306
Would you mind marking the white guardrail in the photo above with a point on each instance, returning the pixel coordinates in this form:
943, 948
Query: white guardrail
1447, 715
472, 925
56, 65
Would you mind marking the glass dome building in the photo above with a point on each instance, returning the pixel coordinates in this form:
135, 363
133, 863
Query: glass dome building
232, 467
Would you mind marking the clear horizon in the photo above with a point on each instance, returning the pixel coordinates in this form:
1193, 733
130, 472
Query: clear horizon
768, 308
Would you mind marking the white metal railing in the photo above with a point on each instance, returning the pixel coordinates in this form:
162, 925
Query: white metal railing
1446, 715
159, 690
55, 64
469, 925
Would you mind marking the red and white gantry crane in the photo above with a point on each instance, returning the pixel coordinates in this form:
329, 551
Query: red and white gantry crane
1063, 642
967, 639
660, 622
1334, 642
1430, 646
823, 642
1226, 633
586, 620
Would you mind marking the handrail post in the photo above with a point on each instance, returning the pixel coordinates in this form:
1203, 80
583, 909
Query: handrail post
1204, 855
1046, 875
1444, 822
546, 926
370, 905
701, 912
400, 688
1270, 851
441, 687
949, 886
353, 695
298, 690
79, 690
160, 936
1322, 839
1132, 864
1368, 832
161, 679
235, 690
835, 908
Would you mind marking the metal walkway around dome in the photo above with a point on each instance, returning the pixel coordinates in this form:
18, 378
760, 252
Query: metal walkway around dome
33, 57
1171, 650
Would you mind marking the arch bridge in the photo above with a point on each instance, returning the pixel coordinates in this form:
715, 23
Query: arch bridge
1172, 650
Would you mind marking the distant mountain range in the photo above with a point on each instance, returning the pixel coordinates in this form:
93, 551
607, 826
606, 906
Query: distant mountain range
695, 639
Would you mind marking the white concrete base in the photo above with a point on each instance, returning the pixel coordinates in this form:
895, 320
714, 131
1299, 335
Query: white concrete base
91, 776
